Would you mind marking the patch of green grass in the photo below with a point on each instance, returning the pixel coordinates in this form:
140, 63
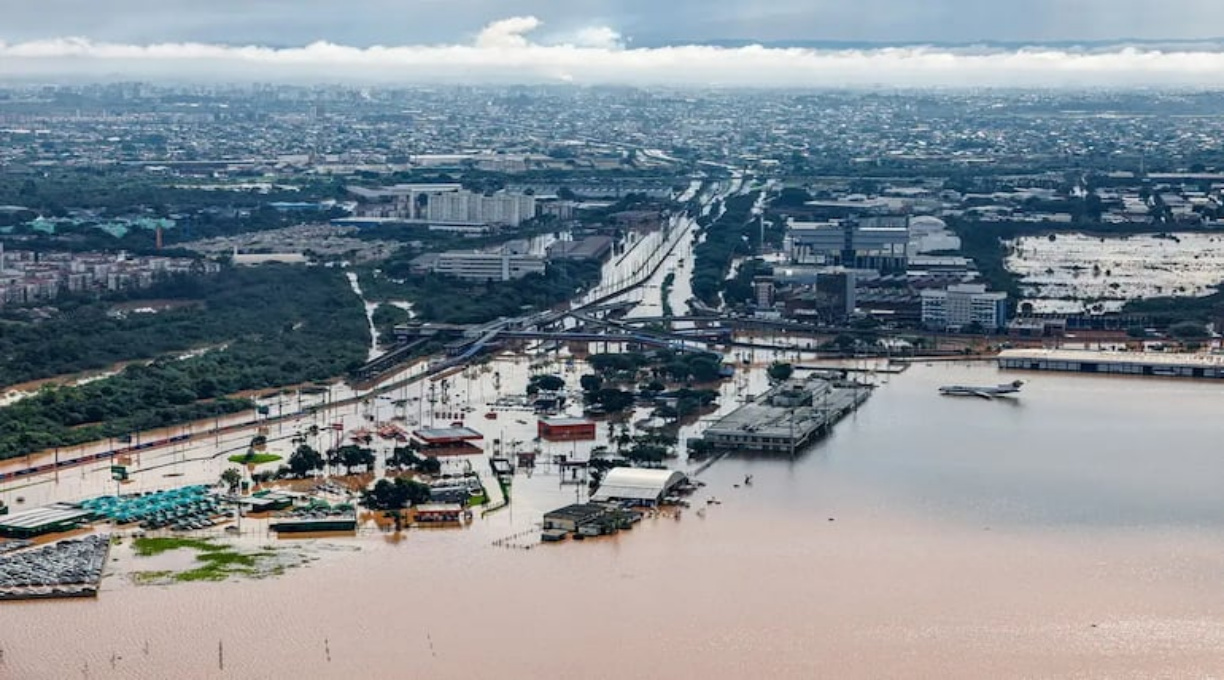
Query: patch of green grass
257, 459
148, 546
216, 562
219, 566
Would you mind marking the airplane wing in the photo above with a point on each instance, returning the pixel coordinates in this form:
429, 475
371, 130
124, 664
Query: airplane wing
982, 394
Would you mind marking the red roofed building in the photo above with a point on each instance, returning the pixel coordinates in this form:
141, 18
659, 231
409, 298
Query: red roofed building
565, 429
443, 441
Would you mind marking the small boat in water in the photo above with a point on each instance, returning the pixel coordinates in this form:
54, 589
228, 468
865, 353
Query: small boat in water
982, 392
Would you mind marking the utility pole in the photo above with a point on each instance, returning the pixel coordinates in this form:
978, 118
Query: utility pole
792, 432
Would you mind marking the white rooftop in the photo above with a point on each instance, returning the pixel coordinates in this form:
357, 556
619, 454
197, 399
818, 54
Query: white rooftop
637, 484
1160, 358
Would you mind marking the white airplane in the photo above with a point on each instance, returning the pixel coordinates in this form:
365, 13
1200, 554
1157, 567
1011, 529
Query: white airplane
983, 392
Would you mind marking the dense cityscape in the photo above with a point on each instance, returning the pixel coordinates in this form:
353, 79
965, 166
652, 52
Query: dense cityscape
549, 314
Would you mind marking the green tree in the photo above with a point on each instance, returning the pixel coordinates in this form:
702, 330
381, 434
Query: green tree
386, 495
403, 457
678, 370
429, 465
305, 460
395, 495
611, 399
549, 383
704, 369
232, 479
591, 383
644, 452
351, 456
780, 372
416, 492
1188, 330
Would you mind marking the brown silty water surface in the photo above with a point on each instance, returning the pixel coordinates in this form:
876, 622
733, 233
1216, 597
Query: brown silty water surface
1073, 532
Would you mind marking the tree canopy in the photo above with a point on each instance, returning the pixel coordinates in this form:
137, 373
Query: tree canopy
395, 495
779, 371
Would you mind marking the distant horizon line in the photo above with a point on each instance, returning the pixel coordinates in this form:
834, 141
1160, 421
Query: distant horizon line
730, 43
513, 50
830, 43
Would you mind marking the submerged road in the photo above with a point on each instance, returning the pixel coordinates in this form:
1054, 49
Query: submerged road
340, 396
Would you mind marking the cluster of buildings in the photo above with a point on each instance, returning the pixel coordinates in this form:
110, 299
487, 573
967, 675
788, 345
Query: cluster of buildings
989, 157
296, 244
253, 131
609, 511
509, 261
444, 204
29, 277
894, 267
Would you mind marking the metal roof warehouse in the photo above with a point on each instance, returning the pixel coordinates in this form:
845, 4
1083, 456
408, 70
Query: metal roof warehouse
44, 520
638, 485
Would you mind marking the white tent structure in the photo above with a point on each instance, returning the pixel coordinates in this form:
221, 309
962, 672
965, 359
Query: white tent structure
637, 485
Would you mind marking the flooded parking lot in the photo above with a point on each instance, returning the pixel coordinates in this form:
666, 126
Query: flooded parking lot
1109, 271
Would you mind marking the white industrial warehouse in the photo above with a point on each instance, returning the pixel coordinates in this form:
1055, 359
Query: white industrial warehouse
637, 485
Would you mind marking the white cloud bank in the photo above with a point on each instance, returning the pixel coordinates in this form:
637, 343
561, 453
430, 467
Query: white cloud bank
504, 53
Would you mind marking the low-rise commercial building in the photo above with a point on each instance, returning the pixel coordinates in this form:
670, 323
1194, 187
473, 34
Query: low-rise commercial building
440, 513
436, 441
571, 517
565, 429
480, 266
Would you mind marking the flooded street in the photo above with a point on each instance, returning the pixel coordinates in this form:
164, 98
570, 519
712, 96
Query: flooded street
1073, 532
369, 314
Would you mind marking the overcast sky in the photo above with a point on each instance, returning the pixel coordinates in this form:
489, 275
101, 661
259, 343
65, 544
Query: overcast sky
398, 22
610, 41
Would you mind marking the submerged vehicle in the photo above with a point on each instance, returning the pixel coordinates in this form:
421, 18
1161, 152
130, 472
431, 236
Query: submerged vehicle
982, 392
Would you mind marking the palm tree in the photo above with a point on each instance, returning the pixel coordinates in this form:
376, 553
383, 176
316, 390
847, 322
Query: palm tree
231, 478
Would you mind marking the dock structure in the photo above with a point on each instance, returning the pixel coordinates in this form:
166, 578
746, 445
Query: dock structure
788, 417
1171, 365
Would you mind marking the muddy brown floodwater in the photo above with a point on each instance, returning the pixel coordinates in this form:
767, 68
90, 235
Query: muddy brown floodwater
1076, 532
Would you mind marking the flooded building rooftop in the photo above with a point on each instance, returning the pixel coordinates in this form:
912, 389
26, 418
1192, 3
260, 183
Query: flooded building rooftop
787, 417
1179, 365
44, 520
